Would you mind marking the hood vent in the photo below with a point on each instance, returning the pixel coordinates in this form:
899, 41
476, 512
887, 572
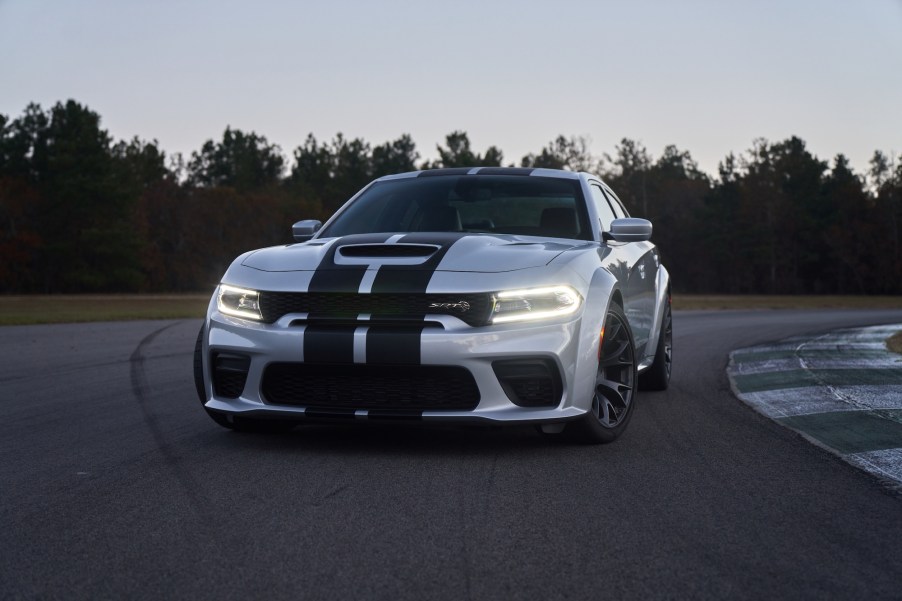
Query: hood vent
387, 250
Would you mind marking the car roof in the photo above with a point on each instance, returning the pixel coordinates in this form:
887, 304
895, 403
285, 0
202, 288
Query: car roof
523, 171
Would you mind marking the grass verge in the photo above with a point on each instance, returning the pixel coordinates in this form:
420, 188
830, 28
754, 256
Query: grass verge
21, 310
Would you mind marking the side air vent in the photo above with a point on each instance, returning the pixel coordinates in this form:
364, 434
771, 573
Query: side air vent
530, 382
230, 374
387, 250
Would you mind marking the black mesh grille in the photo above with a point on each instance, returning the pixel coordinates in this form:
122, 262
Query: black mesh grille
389, 387
229, 374
337, 305
530, 382
534, 392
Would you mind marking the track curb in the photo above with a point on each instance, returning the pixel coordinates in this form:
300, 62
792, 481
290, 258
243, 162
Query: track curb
841, 390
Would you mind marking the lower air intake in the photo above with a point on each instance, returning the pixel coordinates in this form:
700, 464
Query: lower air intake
229, 374
386, 387
530, 382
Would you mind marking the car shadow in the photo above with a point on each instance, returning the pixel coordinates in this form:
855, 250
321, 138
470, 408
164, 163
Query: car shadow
393, 439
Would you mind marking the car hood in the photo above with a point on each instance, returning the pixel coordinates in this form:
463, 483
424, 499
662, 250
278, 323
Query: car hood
483, 253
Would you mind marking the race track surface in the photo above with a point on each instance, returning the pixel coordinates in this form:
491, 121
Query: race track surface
115, 484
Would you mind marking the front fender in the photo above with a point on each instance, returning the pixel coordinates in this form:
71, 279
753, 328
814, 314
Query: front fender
662, 298
599, 297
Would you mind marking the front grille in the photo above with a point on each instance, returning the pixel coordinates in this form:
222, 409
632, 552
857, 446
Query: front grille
385, 387
473, 309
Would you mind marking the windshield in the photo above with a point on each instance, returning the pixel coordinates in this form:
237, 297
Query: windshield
501, 204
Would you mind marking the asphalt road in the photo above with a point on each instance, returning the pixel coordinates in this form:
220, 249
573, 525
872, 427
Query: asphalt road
114, 484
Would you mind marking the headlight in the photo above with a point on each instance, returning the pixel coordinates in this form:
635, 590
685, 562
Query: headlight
239, 302
534, 303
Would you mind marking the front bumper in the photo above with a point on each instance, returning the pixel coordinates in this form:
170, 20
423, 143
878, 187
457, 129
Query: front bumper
450, 342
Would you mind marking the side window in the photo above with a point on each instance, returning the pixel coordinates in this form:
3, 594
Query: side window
605, 214
615, 202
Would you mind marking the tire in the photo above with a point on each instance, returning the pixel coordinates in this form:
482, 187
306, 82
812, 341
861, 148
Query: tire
226, 420
657, 377
199, 367
614, 400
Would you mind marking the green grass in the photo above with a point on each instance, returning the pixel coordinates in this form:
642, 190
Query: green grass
19, 310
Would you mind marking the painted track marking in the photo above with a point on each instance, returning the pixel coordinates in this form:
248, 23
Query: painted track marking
841, 390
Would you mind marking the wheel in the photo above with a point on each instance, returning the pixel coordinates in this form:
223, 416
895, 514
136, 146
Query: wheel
199, 367
615, 385
657, 377
226, 420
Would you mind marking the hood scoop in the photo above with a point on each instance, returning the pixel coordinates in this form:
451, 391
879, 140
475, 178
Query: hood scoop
476, 253
383, 251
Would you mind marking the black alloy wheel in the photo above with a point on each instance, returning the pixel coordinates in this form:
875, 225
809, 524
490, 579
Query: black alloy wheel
657, 377
615, 385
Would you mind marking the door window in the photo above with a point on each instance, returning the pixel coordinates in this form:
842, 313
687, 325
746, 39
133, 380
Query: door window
605, 213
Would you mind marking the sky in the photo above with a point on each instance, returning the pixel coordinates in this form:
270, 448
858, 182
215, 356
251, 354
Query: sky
709, 76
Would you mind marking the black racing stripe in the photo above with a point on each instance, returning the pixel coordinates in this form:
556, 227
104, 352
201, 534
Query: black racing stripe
393, 345
401, 345
384, 344
413, 279
448, 171
329, 344
330, 277
506, 171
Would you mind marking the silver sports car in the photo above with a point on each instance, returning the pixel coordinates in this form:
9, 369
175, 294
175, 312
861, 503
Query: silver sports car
486, 295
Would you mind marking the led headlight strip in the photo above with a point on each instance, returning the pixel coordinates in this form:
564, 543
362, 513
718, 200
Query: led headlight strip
531, 304
239, 302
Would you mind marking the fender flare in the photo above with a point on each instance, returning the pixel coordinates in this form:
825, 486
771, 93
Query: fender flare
600, 295
662, 298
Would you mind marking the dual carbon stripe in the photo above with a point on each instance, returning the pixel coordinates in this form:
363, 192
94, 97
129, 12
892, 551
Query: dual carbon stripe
332, 277
329, 344
481, 171
448, 171
398, 344
385, 344
335, 344
505, 171
393, 345
415, 278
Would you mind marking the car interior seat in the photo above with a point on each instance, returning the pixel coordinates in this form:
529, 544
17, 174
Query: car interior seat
559, 222
440, 219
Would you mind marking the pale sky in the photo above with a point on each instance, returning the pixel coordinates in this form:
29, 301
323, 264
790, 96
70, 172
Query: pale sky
707, 75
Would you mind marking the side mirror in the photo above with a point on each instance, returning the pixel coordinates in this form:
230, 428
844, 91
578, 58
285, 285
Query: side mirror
630, 229
304, 230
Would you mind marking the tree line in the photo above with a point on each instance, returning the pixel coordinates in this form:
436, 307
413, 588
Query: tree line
81, 212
